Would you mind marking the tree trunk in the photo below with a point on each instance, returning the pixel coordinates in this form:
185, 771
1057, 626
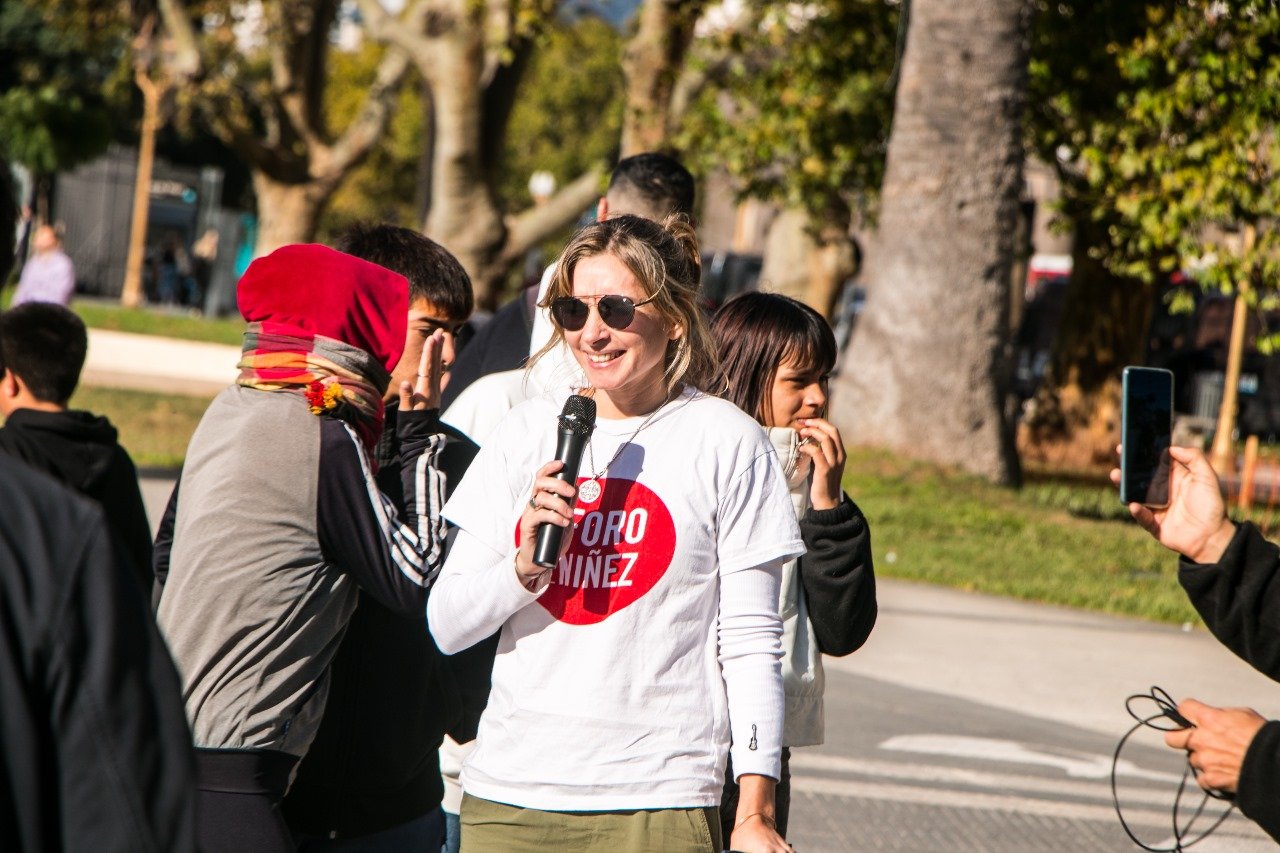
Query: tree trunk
652, 62
464, 216
1073, 422
287, 212
928, 373
788, 246
830, 263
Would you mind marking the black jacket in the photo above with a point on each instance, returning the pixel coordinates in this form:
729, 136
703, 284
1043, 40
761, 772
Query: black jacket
838, 577
80, 450
374, 762
96, 751
1239, 599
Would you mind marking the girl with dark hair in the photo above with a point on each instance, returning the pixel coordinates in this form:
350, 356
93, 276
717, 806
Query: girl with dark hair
626, 673
775, 357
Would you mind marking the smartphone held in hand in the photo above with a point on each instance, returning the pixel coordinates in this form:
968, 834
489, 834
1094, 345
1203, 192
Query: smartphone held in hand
1146, 433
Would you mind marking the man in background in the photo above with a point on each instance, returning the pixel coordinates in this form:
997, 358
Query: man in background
48, 275
651, 185
42, 350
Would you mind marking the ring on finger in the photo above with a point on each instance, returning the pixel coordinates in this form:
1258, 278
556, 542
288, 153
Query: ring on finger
533, 503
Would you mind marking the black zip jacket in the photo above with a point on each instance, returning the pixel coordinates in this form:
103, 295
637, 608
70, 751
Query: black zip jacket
374, 763
96, 754
80, 450
1239, 599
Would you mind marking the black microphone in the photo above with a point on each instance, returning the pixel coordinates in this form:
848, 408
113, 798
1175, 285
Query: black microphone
577, 420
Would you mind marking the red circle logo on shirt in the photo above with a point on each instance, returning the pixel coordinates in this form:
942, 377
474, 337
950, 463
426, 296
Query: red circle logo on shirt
622, 545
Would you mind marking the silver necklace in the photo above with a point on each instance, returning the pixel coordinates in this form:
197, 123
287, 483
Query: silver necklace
590, 489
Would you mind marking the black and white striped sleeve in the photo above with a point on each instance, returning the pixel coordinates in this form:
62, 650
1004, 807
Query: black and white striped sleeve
394, 555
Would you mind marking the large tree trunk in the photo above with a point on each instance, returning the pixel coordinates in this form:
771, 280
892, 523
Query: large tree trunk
927, 374
287, 212
1074, 419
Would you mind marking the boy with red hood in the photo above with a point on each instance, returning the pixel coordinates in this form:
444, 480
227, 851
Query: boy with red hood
277, 521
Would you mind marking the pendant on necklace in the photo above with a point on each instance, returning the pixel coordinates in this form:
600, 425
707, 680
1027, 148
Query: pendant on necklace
589, 491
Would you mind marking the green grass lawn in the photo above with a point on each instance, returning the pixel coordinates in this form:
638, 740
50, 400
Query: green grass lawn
951, 529
151, 321
154, 428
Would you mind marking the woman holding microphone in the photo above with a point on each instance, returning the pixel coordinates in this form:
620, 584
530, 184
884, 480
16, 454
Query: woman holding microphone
627, 671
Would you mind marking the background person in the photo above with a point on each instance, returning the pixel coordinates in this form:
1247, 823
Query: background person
48, 275
775, 357
42, 350
1232, 576
371, 779
624, 673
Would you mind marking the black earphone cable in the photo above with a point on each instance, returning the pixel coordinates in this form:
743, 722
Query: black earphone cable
1168, 711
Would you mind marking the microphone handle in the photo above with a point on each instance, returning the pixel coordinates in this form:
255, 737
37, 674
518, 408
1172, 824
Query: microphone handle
569, 450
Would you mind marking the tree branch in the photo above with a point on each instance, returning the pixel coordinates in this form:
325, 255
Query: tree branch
185, 63
374, 114
407, 35
529, 228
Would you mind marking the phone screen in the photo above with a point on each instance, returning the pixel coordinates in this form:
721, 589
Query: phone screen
1147, 416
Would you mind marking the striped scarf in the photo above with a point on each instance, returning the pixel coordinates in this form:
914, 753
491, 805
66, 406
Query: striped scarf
336, 379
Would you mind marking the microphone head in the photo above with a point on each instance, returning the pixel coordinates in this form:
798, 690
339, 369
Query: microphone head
578, 415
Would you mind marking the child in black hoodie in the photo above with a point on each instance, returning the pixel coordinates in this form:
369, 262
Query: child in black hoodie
42, 350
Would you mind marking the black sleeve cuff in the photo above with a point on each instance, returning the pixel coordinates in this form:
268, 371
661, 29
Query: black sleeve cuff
418, 424
1235, 548
844, 511
1258, 794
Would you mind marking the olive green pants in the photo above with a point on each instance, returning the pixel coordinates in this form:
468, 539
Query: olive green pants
489, 827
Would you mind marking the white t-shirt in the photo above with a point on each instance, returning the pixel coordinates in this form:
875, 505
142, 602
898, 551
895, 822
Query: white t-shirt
615, 687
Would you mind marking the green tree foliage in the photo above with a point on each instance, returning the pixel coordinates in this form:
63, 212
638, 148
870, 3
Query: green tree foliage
568, 114
1190, 156
60, 62
799, 102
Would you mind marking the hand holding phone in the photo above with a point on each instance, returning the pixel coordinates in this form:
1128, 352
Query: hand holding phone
1146, 434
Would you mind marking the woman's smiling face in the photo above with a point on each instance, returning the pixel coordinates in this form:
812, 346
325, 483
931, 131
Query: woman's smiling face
625, 366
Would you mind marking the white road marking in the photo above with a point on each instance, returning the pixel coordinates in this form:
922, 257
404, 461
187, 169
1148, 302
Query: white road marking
1006, 783
1081, 765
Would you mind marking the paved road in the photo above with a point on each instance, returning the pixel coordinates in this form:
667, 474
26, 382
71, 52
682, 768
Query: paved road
913, 770
974, 723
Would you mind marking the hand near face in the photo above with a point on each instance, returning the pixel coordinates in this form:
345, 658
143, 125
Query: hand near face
424, 391
1217, 745
821, 442
1195, 522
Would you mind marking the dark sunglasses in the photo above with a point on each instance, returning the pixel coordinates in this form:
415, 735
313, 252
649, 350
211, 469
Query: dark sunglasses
616, 312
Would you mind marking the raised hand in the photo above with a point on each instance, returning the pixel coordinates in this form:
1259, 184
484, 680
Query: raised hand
1195, 522
424, 392
822, 443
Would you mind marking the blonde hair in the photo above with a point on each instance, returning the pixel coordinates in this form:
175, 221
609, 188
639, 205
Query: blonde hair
665, 261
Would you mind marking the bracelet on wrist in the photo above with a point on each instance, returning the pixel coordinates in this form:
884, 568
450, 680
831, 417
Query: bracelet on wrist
764, 818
